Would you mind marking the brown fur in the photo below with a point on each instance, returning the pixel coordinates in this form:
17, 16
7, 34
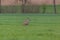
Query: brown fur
26, 22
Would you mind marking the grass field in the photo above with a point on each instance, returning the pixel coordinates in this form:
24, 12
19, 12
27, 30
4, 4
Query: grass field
41, 27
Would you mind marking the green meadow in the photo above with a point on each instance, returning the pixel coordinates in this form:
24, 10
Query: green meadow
41, 27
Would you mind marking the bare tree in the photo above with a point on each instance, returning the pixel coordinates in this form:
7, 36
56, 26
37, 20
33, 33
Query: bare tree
16, 2
54, 3
0, 6
23, 4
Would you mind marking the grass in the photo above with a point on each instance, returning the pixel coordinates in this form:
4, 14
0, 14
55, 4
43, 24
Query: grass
41, 27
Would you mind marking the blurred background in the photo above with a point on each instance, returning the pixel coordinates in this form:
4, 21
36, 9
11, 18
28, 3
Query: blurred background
44, 24
30, 6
